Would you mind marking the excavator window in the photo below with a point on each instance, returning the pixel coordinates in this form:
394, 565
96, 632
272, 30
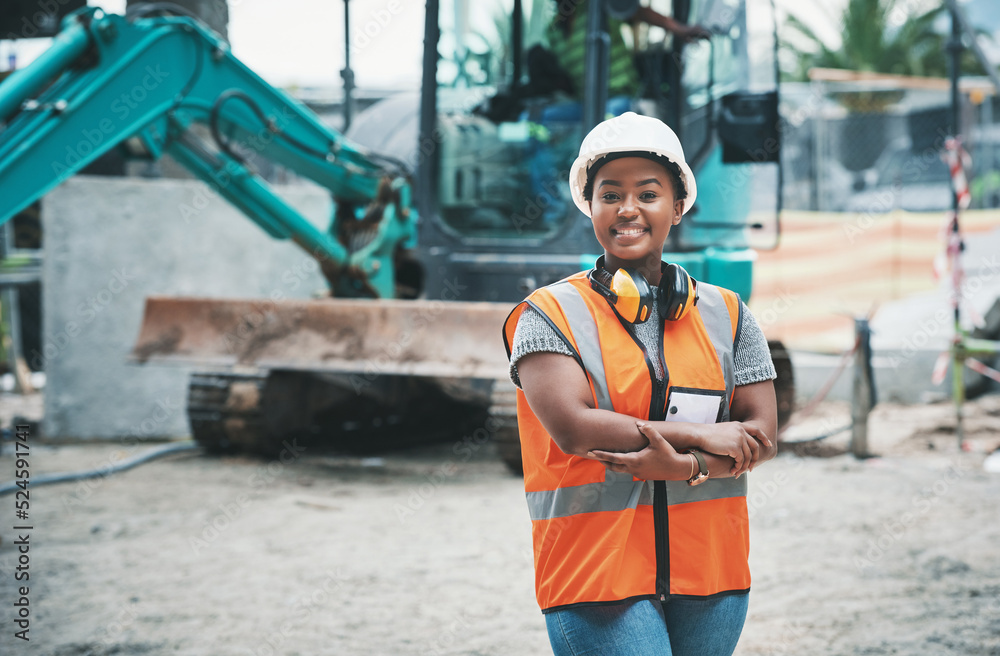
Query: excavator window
507, 145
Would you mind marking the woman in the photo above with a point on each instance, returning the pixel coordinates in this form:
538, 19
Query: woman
644, 397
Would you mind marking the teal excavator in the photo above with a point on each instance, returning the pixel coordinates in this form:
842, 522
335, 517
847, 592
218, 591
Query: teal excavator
407, 345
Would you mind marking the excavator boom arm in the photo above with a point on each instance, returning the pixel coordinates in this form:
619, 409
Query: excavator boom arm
108, 81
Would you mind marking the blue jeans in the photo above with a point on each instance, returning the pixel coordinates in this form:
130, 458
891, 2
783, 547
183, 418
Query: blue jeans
678, 627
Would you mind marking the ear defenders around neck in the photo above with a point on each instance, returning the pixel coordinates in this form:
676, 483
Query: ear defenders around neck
627, 291
678, 293
631, 296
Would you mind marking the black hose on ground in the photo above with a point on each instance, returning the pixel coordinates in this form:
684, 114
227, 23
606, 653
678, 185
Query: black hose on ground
817, 438
68, 477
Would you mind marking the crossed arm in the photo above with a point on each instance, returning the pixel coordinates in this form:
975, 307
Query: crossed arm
559, 394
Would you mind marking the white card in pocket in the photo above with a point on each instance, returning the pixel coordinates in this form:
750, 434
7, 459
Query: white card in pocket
694, 406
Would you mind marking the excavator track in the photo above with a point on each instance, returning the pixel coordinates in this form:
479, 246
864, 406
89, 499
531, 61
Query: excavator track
784, 384
226, 412
257, 412
503, 423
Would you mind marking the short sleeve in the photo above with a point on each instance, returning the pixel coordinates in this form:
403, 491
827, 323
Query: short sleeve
752, 356
533, 334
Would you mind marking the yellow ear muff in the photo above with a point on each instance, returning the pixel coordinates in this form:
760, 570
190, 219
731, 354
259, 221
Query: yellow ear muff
634, 295
627, 291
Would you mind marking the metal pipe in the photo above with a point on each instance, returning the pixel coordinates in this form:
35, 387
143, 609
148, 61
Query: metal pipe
517, 44
958, 15
777, 102
427, 142
677, 102
595, 87
346, 73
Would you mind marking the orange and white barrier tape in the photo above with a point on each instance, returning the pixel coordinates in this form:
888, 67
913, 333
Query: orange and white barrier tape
982, 369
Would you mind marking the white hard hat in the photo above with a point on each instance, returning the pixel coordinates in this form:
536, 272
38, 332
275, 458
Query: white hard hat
626, 133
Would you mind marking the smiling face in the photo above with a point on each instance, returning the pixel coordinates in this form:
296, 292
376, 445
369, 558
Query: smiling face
633, 208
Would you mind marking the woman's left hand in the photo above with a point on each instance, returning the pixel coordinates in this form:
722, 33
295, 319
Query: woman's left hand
658, 461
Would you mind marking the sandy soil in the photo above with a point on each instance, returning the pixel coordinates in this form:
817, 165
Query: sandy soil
428, 551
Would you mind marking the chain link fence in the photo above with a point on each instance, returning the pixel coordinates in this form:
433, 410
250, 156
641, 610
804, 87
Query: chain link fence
873, 145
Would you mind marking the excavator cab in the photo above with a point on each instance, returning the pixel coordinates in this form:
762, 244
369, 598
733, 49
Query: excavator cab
509, 123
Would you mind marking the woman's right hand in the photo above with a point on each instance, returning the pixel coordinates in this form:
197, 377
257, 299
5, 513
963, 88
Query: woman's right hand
740, 441
659, 461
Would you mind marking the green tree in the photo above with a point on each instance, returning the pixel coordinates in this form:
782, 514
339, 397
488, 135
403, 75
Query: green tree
882, 36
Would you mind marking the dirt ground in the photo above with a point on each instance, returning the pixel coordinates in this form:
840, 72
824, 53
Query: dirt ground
428, 551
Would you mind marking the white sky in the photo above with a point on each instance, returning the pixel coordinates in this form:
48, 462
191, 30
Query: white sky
301, 42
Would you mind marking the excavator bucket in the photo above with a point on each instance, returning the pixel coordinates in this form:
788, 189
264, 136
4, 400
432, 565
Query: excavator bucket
346, 336
354, 373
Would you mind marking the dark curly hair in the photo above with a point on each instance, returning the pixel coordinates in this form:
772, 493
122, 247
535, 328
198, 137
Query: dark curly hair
673, 172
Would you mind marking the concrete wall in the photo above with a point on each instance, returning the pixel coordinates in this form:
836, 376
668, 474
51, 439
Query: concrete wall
110, 242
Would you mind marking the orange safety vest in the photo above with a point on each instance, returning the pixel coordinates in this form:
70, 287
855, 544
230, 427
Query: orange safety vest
602, 537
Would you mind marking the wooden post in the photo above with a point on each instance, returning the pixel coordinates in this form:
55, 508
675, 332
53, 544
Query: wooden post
863, 397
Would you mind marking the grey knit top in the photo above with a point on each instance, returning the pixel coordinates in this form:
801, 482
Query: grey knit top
752, 356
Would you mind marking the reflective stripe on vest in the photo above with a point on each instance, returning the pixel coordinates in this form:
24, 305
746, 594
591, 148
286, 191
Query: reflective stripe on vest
587, 339
616, 493
715, 316
619, 492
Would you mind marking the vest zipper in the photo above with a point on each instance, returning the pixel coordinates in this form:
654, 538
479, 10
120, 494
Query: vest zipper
661, 513
661, 526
